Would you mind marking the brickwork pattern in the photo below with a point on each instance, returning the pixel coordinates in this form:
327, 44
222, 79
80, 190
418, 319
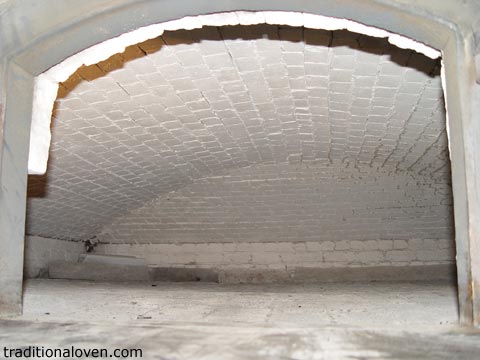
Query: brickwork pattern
342, 206
274, 255
194, 104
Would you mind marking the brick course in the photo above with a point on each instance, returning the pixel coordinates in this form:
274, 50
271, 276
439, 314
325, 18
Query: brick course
266, 255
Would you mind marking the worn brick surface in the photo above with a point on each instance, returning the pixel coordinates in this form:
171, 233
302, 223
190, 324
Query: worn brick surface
174, 113
40, 252
274, 255
350, 208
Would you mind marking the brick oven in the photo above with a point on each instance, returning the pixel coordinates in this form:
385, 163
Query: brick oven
248, 163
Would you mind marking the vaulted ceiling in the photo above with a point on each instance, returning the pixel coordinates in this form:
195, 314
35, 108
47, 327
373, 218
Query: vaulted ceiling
191, 104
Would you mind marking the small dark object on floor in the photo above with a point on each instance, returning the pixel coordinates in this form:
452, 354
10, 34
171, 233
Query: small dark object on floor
89, 246
141, 317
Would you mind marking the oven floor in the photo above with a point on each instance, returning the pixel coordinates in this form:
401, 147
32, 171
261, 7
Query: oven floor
212, 321
363, 305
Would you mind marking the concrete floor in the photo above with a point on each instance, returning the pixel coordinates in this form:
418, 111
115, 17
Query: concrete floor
212, 321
